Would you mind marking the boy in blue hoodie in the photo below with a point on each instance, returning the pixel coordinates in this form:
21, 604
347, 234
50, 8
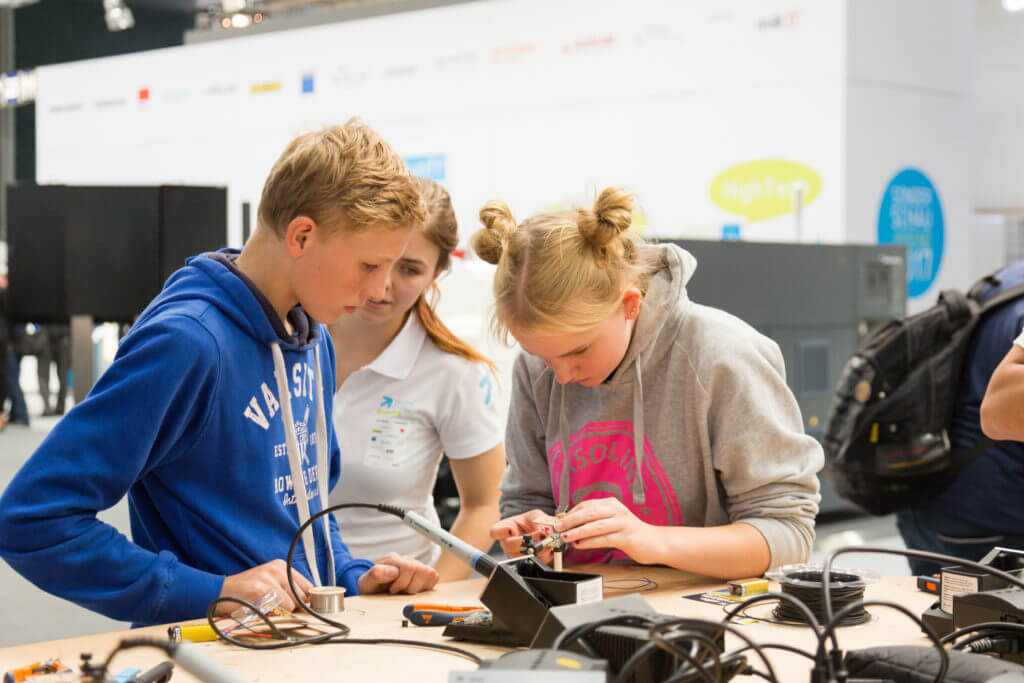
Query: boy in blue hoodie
212, 416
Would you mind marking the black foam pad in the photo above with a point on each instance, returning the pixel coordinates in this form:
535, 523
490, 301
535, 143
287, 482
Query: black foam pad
920, 664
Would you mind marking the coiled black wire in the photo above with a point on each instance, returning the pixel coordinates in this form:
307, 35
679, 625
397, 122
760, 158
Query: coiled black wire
805, 585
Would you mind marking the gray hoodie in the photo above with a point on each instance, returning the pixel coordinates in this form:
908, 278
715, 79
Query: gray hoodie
706, 396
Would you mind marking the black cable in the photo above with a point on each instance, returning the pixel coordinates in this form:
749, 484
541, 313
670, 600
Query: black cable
937, 558
627, 668
988, 643
569, 636
831, 626
699, 642
339, 635
798, 605
779, 646
389, 509
284, 639
801, 609
127, 644
806, 586
640, 585
984, 626
697, 623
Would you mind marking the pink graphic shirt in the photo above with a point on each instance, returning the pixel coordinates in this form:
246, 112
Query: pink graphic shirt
601, 465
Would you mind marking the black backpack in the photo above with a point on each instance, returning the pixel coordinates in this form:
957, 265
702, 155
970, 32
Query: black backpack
886, 441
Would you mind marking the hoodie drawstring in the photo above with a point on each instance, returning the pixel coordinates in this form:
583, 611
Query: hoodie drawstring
638, 492
639, 495
564, 495
295, 464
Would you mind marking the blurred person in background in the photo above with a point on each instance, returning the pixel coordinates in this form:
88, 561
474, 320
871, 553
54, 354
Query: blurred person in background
11, 362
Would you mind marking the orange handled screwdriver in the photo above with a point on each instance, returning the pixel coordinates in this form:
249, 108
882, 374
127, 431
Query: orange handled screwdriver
425, 614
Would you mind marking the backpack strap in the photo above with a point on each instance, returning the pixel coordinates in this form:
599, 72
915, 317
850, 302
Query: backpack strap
1001, 298
990, 280
961, 458
959, 306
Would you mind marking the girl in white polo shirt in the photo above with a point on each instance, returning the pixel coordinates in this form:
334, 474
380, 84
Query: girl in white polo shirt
408, 390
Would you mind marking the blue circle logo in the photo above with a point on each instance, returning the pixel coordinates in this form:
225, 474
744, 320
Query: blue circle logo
911, 214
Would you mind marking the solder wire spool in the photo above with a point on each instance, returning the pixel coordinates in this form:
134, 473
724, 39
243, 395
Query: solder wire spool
803, 582
327, 599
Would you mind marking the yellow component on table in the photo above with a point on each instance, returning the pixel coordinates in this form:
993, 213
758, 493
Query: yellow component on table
745, 587
198, 633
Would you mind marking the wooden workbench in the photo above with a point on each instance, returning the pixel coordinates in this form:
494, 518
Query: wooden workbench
381, 616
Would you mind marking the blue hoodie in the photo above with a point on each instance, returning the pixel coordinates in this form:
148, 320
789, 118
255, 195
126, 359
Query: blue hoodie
189, 421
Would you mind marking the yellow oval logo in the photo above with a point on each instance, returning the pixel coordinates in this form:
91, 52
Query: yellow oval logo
763, 188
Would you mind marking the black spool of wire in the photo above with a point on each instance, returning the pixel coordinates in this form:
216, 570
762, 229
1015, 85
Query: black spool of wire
804, 583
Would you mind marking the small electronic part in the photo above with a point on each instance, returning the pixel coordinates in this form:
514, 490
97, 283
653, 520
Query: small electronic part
553, 541
746, 587
929, 584
36, 670
198, 633
327, 599
243, 616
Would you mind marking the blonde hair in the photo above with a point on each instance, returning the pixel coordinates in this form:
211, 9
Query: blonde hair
344, 171
566, 271
442, 229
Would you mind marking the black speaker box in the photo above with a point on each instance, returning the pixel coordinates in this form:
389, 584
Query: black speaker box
103, 251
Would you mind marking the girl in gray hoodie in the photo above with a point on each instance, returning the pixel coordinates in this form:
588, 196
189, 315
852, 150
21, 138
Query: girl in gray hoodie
663, 429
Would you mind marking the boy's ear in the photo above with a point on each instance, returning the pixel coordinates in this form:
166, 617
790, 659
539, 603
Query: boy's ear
298, 235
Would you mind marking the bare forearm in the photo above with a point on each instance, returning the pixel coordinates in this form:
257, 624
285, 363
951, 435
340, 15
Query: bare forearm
472, 525
733, 551
1002, 410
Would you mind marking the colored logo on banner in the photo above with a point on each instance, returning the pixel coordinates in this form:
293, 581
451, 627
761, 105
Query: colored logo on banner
911, 214
307, 84
431, 166
764, 188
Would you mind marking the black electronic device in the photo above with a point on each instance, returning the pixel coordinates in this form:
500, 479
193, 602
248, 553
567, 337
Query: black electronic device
617, 642
958, 580
537, 665
519, 593
1004, 605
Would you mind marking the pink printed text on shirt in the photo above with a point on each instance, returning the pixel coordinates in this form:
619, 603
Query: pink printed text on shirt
601, 465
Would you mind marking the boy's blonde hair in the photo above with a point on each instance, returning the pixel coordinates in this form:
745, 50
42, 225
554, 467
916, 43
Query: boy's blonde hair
340, 172
566, 271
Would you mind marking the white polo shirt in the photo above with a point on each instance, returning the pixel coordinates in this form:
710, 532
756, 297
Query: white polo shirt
394, 418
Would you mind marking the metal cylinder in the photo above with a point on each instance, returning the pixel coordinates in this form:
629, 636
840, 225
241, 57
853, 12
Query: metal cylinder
327, 599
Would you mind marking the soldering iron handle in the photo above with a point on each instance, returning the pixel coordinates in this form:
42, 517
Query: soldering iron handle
474, 557
202, 666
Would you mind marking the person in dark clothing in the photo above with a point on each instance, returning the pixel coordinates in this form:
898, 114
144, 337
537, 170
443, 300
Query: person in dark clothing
980, 508
5, 343
55, 348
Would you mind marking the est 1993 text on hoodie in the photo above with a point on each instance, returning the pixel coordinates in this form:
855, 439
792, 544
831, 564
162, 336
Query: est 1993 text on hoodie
190, 422
702, 396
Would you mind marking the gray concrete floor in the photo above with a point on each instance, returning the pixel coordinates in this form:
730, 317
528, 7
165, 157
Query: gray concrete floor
31, 615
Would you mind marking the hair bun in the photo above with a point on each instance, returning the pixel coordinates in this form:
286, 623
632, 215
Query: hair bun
611, 216
499, 225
